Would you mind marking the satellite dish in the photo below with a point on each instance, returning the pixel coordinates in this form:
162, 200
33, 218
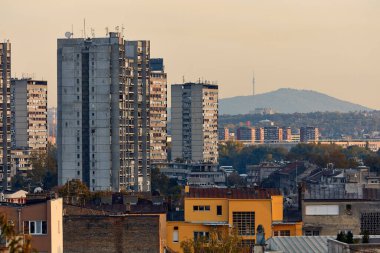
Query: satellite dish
68, 35
38, 190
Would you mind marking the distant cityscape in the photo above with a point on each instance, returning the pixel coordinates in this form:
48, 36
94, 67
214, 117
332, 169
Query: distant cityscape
108, 171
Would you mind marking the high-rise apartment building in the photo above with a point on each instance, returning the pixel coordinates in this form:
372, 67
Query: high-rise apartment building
195, 122
158, 111
309, 134
29, 114
5, 113
103, 84
28, 122
138, 57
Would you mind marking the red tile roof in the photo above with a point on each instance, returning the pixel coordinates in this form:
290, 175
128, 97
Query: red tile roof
233, 193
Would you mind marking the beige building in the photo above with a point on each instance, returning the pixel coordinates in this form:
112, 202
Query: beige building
158, 111
39, 218
195, 122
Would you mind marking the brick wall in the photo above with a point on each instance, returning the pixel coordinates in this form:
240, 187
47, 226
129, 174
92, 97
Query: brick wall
130, 234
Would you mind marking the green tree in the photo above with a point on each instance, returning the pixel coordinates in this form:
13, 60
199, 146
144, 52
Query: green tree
234, 179
365, 237
75, 191
164, 185
341, 236
349, 237
44, 171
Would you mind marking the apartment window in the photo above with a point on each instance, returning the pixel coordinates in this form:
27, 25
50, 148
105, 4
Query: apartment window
218, 210
312, 232
282, 233
35, 227
78, 173
247, 243
201, 234
175, 234
201, 208
244, 222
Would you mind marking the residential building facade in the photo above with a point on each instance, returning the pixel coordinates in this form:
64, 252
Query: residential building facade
246, 134
195, 122
138, 58
41, 219
309, 134
103, 126
29, 121
29, 114
224, 134
158, 111
5, 114
221, 208
272, 134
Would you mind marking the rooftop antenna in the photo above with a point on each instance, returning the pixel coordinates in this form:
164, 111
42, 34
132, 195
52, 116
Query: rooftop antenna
183, 79
84, 28
106, 31
93, 32
122, 30
72, 30
253, 84
68, 35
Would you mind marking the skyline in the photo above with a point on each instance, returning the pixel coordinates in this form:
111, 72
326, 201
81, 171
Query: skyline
286, 43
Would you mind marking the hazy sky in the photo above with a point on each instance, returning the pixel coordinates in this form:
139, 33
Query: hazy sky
331, 46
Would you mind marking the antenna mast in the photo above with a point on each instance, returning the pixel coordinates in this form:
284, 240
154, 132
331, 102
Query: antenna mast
84, 28
253, 84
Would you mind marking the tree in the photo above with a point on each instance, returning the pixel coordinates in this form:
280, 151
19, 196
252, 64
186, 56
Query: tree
75, 191
349, 237
234, 179
341, 236
44, 171
16, 243
365, 237
218, 241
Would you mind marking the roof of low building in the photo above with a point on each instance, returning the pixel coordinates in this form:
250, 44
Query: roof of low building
298, 244
233, 193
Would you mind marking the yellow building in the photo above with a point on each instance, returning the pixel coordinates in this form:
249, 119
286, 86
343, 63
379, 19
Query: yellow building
240, 208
